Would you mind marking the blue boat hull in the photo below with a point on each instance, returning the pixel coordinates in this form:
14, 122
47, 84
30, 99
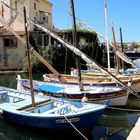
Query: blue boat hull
84, 121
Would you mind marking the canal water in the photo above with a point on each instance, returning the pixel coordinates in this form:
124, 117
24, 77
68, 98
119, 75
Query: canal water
115, 124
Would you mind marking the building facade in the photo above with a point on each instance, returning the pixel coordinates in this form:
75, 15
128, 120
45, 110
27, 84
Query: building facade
37, 10
12, 52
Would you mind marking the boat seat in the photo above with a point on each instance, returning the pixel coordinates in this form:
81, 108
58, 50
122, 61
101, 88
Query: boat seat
40, 104
55, 109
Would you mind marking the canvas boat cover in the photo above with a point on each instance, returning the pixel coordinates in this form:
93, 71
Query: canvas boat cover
48, 88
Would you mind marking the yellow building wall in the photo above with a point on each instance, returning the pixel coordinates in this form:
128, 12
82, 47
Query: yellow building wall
41, 5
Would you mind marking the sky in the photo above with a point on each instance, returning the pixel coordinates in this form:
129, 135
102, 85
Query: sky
124, 14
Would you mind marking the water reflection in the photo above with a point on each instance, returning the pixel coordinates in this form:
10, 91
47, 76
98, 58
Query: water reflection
104, 130
115, 124
10, 131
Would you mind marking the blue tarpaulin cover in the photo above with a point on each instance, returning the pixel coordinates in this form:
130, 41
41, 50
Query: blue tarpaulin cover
48, 88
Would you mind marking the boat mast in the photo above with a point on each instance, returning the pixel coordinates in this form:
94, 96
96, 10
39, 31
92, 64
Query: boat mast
106, 24
28, 58
121, 46
76, 45
115, 48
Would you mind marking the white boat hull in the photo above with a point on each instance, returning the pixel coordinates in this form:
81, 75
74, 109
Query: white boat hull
119, 101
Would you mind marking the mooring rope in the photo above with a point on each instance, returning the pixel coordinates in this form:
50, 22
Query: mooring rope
123, 109
75, 128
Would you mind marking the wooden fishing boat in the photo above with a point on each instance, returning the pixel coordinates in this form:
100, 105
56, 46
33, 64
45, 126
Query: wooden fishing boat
133, 81
97, 94
48, 112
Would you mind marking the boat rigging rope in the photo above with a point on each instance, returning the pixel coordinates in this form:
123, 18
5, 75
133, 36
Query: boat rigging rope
75, 128
123, 109
123, 56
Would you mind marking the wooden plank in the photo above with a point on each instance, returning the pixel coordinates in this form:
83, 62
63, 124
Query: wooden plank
44, 61
29, 107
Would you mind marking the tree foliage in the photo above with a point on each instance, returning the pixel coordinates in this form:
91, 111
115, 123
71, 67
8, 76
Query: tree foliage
61, 58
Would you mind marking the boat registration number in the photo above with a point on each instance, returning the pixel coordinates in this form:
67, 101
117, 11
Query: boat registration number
66, 121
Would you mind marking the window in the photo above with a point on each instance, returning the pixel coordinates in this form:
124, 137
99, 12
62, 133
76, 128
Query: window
10, 42
34, 6
43, 17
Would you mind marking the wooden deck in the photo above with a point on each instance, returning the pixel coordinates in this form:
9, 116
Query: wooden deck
135, 133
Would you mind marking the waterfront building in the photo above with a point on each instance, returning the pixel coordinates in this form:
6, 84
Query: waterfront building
12, 52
